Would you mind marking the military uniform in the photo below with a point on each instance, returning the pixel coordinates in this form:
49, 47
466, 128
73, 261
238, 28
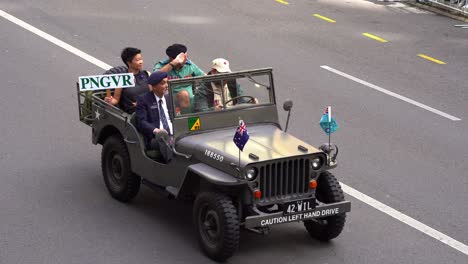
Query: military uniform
190, 69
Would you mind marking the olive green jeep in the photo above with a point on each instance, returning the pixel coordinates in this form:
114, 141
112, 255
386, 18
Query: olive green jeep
276, 179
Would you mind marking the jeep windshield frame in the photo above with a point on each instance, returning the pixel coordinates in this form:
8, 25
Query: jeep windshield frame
262, 110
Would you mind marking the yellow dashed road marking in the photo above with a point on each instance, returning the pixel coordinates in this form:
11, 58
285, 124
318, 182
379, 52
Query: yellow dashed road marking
431, 59
374, 37
324, 18
282, 2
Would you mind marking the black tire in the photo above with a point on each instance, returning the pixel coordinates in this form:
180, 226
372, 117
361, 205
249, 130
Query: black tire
217, 225
120, 181
328, 191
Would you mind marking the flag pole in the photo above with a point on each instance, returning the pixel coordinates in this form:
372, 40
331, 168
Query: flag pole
239, 155
239, 164
329, 132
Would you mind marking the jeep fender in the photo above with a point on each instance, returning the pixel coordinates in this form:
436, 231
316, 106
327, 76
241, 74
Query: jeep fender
99, 135
202, 177
213, 175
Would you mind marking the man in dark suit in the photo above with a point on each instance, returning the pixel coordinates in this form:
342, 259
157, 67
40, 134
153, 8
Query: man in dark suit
154, 121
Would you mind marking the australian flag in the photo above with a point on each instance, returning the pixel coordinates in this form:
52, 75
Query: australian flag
327, 122
241, 136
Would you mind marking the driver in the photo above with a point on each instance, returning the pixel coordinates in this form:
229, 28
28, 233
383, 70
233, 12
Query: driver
209, 95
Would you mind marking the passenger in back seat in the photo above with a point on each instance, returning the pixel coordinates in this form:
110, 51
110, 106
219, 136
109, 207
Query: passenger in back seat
154, 120
126, 98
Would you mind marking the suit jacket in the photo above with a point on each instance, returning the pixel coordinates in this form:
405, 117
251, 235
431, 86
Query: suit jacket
147, 113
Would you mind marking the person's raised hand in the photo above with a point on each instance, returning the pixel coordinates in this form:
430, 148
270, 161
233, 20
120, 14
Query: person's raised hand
179, 60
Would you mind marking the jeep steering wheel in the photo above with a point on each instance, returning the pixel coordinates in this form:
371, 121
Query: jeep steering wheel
251, 101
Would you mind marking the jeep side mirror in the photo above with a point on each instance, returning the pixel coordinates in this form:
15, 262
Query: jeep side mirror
287, 106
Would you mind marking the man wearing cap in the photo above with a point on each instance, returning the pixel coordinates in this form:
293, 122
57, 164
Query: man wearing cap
179, 66
209, 96
153, 117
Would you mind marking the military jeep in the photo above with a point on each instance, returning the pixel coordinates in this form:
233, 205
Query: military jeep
276, 179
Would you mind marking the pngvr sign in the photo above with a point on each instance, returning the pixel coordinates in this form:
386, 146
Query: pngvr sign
110, 81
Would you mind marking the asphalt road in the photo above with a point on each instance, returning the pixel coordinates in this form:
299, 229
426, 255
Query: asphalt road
53, 204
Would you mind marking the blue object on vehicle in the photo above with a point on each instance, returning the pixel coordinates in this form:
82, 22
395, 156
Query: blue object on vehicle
328, 123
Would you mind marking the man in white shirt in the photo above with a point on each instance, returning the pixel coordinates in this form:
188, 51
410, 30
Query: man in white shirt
153, 119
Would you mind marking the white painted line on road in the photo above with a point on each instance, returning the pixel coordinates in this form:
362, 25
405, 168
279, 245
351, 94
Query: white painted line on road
405, 219
385, 91
55, 40
356, 194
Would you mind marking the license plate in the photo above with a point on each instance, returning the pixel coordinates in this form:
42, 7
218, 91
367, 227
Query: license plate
299, 206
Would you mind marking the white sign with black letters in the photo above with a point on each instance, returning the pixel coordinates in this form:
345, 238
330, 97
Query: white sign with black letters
299, 217
108, 81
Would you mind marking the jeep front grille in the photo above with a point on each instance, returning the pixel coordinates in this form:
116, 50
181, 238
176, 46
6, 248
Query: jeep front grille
284, 179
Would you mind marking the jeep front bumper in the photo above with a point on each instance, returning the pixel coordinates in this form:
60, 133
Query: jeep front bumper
323, 210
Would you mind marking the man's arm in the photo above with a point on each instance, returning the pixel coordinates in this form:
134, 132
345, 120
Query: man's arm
114, 100
175, 63
144, 125
165, 68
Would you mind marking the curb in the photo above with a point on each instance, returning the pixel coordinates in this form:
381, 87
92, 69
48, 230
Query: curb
439, 10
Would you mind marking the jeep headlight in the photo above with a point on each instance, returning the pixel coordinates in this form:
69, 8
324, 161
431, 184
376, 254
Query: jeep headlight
331, 150
316, 163
251, 174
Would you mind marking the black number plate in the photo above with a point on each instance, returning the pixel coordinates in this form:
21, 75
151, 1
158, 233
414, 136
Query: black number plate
299, 206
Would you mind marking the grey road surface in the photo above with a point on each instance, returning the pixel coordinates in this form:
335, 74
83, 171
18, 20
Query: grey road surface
53, 204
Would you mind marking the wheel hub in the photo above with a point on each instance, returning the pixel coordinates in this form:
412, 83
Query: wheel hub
210, 224
116, 167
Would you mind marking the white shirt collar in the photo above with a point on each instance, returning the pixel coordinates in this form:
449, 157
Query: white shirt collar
159, 98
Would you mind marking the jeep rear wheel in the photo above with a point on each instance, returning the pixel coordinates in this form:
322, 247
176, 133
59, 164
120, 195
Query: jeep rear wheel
328, 191
217, 225
120, 181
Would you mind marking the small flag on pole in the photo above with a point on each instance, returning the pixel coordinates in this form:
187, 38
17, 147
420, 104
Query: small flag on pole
241, 136
327, 122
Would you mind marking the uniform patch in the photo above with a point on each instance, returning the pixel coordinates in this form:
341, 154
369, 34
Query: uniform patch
194, 123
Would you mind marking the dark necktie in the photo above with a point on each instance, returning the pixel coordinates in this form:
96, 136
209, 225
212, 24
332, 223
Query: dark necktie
162, 116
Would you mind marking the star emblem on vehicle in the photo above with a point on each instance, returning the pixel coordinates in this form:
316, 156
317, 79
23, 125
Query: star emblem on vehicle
98, 115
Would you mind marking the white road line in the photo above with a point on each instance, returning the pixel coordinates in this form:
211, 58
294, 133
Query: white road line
55, 40
356, 194
405, 219
385, 91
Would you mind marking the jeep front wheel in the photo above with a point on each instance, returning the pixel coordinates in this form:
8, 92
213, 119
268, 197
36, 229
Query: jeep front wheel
120, 181
328, 191
217, 225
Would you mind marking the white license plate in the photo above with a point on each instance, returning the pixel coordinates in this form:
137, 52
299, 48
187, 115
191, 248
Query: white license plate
299, 206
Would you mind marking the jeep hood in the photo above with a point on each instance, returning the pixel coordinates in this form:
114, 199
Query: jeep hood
266, 142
